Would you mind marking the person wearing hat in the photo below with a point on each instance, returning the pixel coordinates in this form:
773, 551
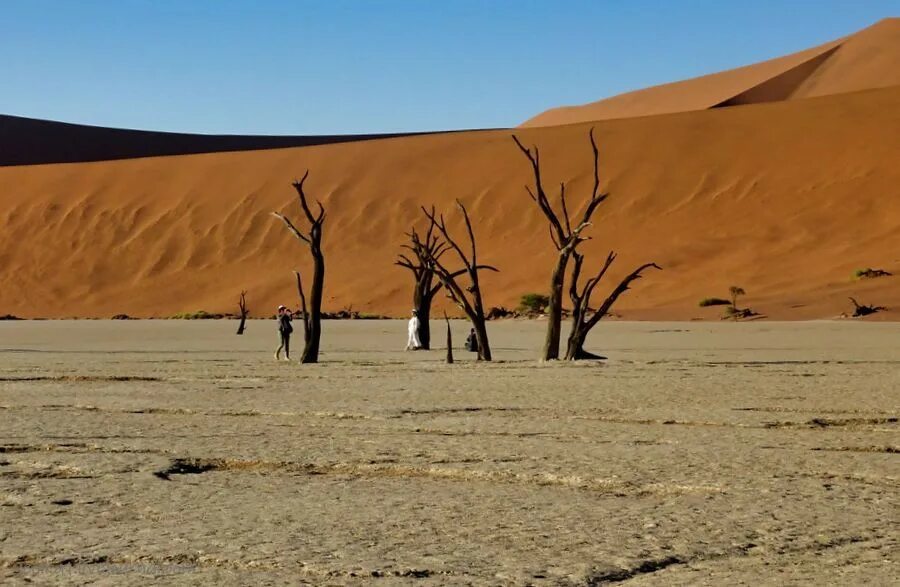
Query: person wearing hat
284, 331
413, 343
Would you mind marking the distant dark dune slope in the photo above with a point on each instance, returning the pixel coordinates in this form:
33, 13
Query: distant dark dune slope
28, 141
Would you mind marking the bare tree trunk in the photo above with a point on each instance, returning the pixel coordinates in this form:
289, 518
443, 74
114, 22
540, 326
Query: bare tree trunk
449, 340
422, 298
554, 310
583, 320
472, 303
311, 344
565, 237
242, 304
312, 316
422, 267
423, 311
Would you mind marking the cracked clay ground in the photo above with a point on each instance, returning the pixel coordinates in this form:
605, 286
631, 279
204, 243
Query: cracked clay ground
169, 452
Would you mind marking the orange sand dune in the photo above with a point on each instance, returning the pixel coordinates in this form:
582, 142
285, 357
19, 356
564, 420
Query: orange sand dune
866, 60
785, 199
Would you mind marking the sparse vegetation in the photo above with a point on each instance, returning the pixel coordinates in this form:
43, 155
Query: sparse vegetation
533, 303
348, 313
738, 313
706, 302
732, 312
9, 317
198, 315
869, 273
122, 317
498, 312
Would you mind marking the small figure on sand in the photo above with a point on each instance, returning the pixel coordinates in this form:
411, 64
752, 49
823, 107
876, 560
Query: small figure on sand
472, 341
284, 332
413, 343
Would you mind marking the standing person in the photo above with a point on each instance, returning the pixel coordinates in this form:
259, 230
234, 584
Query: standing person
284, 332
413, 343
472, 341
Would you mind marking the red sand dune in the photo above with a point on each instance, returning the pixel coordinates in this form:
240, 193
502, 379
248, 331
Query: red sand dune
783, 198
866, 60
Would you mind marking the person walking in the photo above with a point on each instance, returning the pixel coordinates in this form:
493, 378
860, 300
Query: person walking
284, 332
413, 343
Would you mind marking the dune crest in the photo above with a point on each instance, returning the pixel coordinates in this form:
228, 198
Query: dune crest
865, 60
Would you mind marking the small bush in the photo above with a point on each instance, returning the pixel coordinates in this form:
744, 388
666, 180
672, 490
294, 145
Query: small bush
706, 302
732, 313
496, 313
9, 317
869, 273
198, 315
533, 303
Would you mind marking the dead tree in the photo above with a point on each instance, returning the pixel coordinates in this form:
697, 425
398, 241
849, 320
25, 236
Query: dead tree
860, 310
564, 235
420, 263
584, 318
468, 298
449, 340
242, 304
312, 316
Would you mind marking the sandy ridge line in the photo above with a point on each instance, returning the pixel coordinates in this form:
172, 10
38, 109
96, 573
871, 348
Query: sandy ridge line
143, 564
190, 412
813, 423
81, 378
615, 487
781, 409
655, 565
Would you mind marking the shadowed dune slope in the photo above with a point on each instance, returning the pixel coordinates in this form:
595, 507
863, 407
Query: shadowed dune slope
29, 141
785, 199
865, 60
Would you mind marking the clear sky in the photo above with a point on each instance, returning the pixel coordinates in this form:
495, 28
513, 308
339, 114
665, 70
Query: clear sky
341, 66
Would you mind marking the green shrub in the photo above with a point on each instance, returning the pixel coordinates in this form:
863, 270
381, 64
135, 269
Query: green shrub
533, 303
706, 302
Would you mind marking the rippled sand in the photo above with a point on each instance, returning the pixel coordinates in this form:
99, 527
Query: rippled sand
177, 453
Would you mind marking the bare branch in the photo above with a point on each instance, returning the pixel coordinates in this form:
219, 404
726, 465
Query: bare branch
620, 289
292, 228
540, 196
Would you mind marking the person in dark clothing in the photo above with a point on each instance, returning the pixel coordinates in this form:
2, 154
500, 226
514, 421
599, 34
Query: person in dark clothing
472, 342
284, 332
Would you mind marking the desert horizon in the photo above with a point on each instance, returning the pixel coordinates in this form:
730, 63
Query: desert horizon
789, 197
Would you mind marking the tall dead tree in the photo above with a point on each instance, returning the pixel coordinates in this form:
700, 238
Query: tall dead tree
242, 305
420, 262
312, 316
468, 298
563, 234
583, 316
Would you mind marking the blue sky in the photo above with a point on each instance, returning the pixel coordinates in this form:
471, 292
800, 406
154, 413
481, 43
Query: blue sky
340, 66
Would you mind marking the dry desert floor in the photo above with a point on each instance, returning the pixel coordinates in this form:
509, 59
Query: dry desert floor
174, 452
